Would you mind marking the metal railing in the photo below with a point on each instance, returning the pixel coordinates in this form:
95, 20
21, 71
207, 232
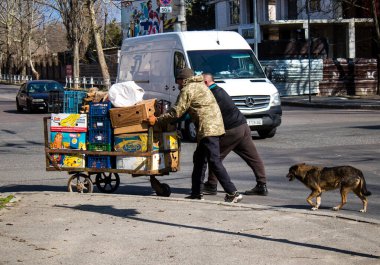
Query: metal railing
17, 79
82, 82
88, 82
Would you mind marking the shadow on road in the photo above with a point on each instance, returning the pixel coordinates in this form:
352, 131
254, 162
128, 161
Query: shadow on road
123, 189
133, 213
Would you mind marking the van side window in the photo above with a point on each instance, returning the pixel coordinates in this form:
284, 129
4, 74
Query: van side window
158, 61
179, 62
135, 67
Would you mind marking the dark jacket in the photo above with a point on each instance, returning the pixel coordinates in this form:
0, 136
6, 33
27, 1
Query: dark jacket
232, 117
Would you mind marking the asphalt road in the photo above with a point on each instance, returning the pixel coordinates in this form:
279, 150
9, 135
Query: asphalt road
318, 136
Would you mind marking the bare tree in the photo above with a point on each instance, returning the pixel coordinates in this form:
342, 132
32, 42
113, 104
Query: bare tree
19, 19
98, 43
7, 25
76, 20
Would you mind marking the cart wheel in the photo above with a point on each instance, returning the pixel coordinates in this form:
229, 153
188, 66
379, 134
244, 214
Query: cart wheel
80, 182
165, 190
107, 183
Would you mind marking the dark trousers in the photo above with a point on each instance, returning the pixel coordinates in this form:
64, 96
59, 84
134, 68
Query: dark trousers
208, 149
239, 140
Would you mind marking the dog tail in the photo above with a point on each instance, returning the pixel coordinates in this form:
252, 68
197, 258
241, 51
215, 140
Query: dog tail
364, 186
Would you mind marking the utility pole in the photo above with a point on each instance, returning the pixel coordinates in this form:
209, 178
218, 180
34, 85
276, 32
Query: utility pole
181, 24
309, 45
255, 25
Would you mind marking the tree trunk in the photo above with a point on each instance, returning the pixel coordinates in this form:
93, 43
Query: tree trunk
36, 74
99, 48
76, 64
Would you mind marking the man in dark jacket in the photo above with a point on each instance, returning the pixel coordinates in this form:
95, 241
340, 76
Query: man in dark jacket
237, 138
197, 100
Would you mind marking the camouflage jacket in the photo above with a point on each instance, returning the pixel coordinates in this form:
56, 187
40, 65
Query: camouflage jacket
196, 99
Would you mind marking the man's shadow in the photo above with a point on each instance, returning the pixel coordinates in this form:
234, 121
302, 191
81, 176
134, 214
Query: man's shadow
133, 215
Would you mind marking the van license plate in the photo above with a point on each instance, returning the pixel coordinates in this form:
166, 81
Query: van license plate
252, 122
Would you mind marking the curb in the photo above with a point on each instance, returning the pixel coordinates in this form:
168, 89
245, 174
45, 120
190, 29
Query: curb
332, 105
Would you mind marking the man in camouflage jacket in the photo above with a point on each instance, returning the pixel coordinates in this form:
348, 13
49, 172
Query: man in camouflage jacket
196, 99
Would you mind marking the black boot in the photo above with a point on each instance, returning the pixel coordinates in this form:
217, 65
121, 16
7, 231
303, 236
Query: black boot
260, 189
209, 189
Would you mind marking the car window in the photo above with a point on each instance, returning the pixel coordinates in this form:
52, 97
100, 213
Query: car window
37, 88
54, 86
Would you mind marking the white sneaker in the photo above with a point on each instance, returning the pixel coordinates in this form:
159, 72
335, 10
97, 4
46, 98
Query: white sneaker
233, 198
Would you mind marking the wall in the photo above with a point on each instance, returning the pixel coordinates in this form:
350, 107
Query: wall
327, 76
291, 77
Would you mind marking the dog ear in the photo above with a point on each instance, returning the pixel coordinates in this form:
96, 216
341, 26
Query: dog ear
294, 167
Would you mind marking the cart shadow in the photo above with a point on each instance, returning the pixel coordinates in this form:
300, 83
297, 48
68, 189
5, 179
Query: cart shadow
122, 190
144, 190
133, 215
31, 188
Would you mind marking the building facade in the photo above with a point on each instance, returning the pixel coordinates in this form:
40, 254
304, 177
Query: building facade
336, 29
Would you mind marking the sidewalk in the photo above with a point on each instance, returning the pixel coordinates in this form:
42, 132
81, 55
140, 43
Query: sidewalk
71, 228
336, 102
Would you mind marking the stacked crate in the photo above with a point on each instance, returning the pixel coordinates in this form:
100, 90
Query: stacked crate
99, 134
68, 131
73, 100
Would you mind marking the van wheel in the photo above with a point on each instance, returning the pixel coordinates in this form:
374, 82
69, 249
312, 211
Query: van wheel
191, 131
267, 133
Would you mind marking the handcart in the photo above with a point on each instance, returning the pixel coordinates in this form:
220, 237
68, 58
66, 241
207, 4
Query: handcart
107, 180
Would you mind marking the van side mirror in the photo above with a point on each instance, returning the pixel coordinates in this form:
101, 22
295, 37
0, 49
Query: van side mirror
268, 72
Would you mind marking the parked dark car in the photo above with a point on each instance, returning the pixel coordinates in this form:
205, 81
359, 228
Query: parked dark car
34, 95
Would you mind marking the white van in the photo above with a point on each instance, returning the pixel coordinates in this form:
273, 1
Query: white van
151, 61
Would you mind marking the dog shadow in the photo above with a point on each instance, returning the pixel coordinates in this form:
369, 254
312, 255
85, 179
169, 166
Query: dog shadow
301, 207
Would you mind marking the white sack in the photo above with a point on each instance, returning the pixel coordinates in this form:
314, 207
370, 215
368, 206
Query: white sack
125, 94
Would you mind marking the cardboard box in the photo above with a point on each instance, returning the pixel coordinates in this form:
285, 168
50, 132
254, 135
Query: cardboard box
169, 141
172, 161
138, 128
140, 163
68, 140
77, 161
133, 143
149, 105
133, 115
143, 127
68, 122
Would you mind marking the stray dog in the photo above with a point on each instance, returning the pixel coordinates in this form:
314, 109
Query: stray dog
320, 179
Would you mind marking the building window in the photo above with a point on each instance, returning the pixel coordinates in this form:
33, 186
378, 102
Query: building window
315, 5
234, 12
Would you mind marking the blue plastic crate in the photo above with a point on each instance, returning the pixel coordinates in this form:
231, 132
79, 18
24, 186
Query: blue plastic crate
99, 136
99, 162
73, 100
99, 122
100, 108
55, 101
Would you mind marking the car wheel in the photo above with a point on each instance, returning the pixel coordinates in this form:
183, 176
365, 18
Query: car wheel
269, 133
30, 109
19, 108
191, 131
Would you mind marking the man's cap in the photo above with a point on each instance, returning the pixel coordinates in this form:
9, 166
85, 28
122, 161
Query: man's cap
184, 73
